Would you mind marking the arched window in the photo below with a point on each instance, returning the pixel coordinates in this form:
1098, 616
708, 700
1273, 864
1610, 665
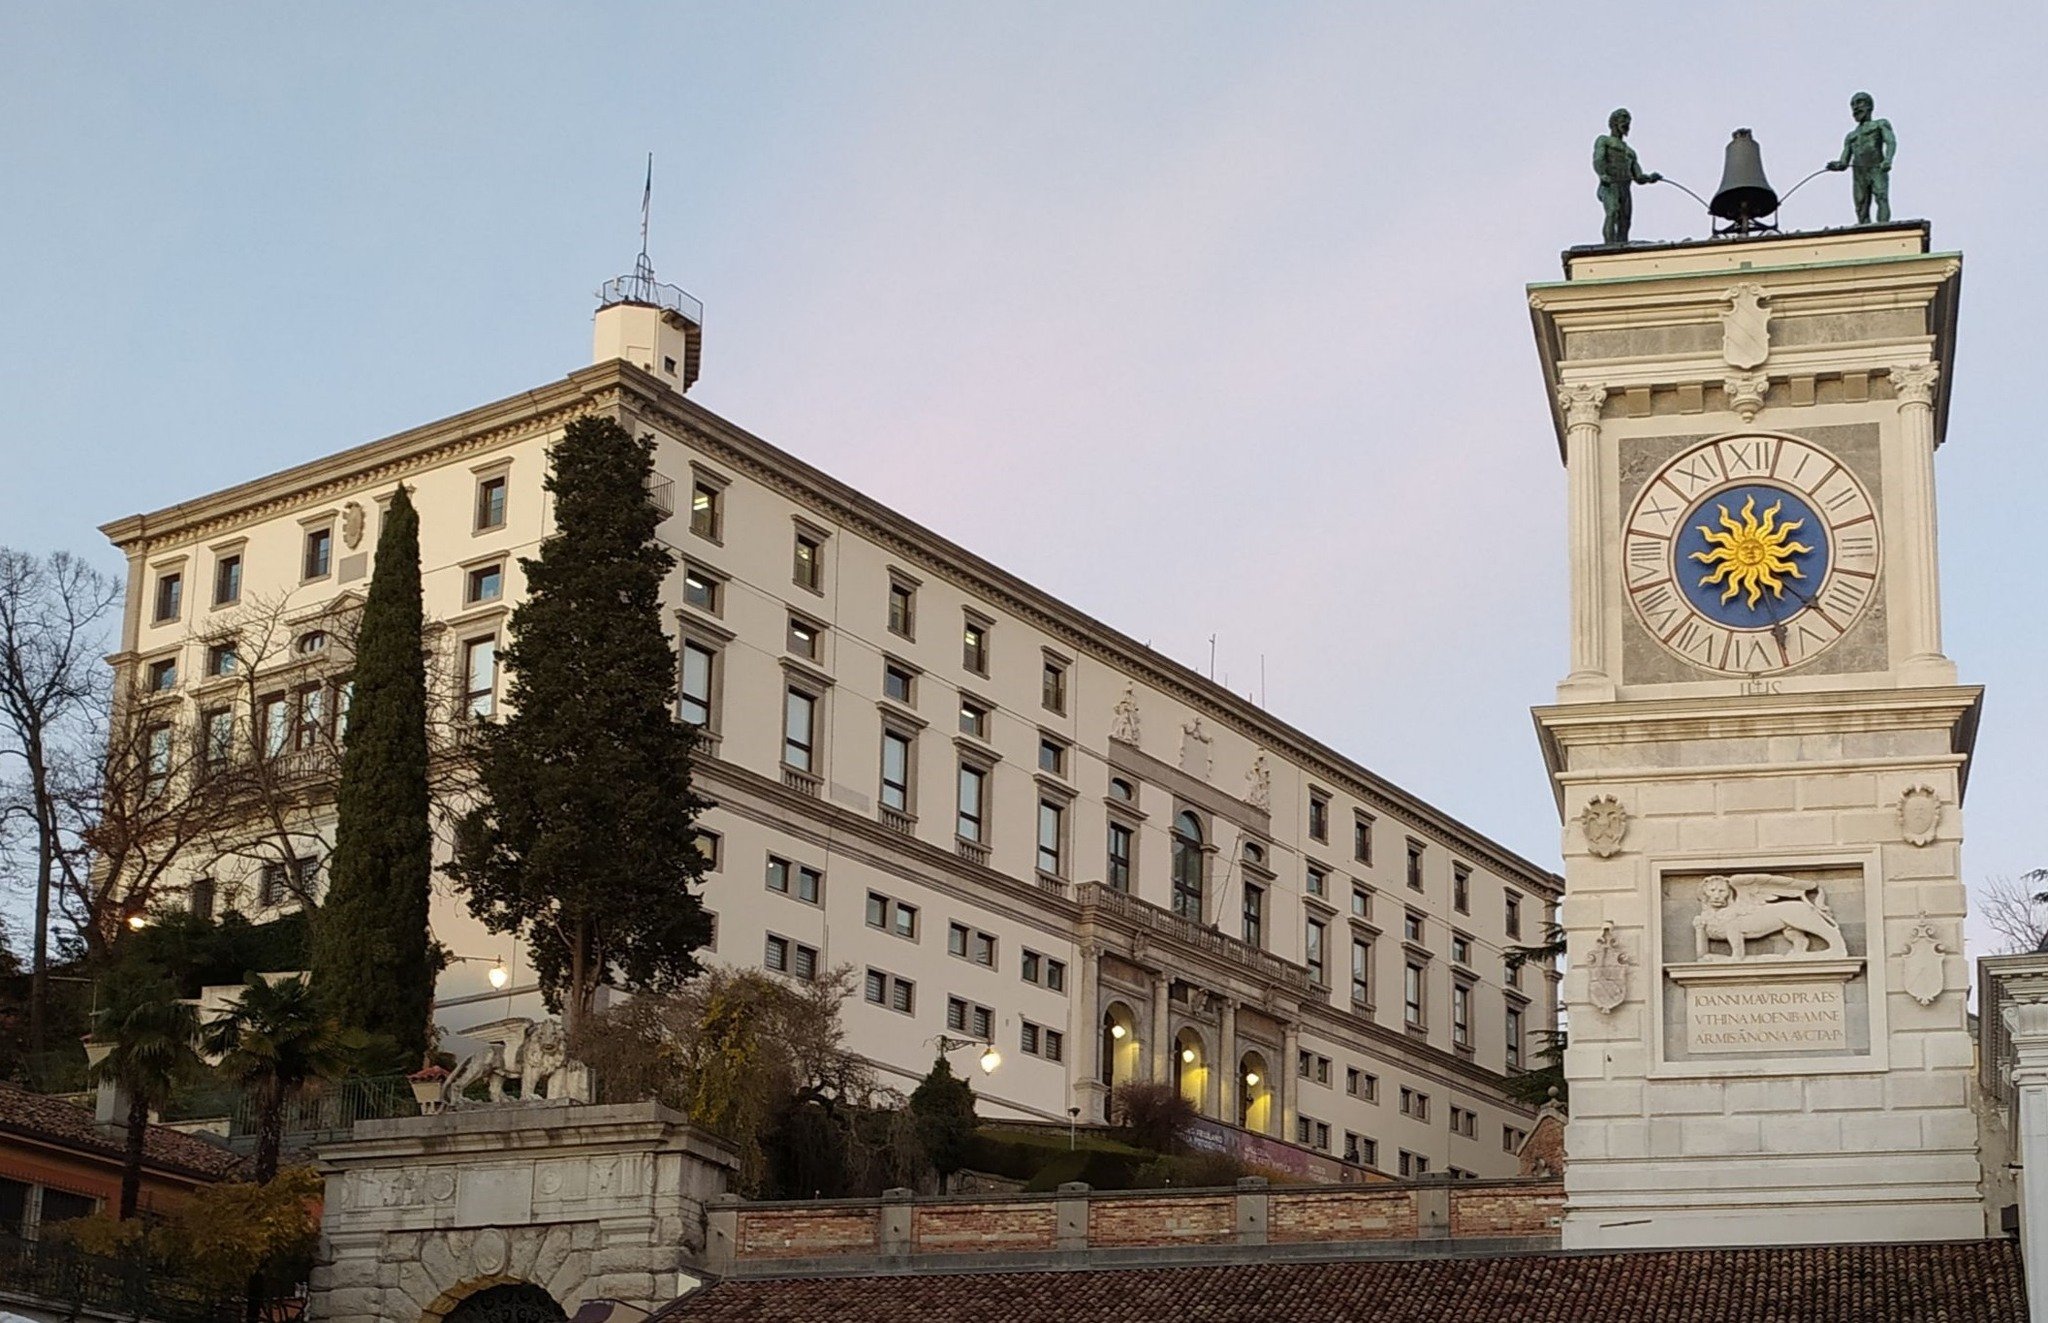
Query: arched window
1254, 854
312, 641
1187, 866
1121, 789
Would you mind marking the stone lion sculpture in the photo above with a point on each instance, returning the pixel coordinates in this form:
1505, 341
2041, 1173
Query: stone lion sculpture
534, 1052
1742, 908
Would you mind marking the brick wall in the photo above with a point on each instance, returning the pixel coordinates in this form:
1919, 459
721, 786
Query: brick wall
1484, 1211
794, 1233
981, 1228
1383, 1214
1166, 1220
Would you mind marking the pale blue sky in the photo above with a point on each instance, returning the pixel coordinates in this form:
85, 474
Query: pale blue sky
1206, 318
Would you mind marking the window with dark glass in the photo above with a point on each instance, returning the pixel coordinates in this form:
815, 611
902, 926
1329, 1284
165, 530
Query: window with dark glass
896, 771
1412, 995
1461, 888
973, 792
490, 503
1414, 866
809, 567
170, 597
694, 691
1254, 914
1318, 970
1514, 1032
1361, 972
799, 730
1319, 816
1514, 914
1188, 865
1461, 1014
1053, 687
974, 647
1052, 818
1361, 837
1119, 870
902, 610
896, 683
227, 580
319, 558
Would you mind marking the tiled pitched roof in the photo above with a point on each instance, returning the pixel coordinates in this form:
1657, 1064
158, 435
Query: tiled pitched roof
53, 1120
1958, 1282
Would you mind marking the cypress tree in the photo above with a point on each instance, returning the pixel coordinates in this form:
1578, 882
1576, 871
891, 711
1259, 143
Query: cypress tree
372, 965
584, 836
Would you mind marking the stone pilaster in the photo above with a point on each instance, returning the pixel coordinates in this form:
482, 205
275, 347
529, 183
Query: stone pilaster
1287, 1080
1162, 1069
1919, 576
2026, 1021
1589, 678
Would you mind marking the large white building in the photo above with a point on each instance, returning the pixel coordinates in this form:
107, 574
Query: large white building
1012, 821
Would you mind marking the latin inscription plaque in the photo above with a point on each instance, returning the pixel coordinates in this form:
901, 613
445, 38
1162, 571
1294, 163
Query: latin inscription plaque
1802, 1016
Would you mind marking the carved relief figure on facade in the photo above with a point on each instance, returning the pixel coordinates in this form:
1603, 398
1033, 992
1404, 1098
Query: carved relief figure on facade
1195, 745
1258, 784
1742, 908
1123, 721
1605, 824
535, 1053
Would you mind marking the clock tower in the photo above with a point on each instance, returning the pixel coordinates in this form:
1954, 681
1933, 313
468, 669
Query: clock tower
1760, 751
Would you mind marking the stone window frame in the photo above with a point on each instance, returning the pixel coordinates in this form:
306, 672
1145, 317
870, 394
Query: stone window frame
819, 537
714, 640
1063, 665
716, 483
901, 581
906, 728
1123, 813
236, 550
494, 470
309, 527
1060, 797
982, 662
716, 578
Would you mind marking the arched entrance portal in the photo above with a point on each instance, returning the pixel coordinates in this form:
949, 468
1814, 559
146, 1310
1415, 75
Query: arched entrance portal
1191, 1068
1121, 1059
518, 1302
1254, 1094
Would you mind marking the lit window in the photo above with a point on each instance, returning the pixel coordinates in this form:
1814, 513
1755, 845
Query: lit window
170, 597
227, 580
706, 502
974, 647
319, 558
490, 503
486, 584
973, 719
700, 589
804, 638
809, 570
480, 676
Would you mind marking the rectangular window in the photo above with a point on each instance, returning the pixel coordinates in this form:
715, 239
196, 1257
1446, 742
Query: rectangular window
1317, 971
1411, 927
799, 730
973, 794
1514, 1034
486, 583
227, 580
1513, 917
218, 740
707, 506
700, 589
312, 715
974, 647
1318, 816
1055, 1045
1055, 975
480, 676
1361, 837
1511, 1138
490, 503
803, 962
800, 881
1053, 687
1413, 1006
1513, 972
221, 659
973, 719
170, 597
1461, 1015
964, 1017
896, 683
1027, 1037
163, 675
694, 691
1254, 914
1415, 1103
1119, 869
777, 957
1461, 948
806, 640
1414, 1165
895, 771
1052, 827
808, 569
904, 921
1461, 888
982, 950
902, 609
1360, 1151
1052, 756
1361, 903
1361, 972
877, 987
319, 558
885, 989
1362, 1084
1463, 1122
277, 725
1414, 866
199, 897
157, 746
1029, 964
1318, 880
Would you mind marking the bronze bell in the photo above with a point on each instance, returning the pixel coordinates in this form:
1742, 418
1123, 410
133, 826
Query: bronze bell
1745, 196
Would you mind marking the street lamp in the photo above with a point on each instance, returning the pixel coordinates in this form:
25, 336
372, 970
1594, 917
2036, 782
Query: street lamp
990, 1058
499, 975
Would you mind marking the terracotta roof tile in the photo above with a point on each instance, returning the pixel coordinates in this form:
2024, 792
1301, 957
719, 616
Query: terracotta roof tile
56, 1121
1957, 1282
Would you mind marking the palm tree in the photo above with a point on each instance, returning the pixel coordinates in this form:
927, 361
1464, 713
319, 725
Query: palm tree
152, 1035
273, 1042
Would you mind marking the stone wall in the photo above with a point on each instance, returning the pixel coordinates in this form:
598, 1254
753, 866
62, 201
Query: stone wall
1077, 1225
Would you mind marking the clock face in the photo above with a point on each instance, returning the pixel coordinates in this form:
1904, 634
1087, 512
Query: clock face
1751, 554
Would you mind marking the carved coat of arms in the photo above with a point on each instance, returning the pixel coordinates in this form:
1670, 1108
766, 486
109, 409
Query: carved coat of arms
1746, 328
1919, 815
1607, 972
352, 521
1604, 823
1924, 977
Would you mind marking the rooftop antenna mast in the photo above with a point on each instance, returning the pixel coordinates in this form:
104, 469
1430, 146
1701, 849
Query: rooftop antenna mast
644, 267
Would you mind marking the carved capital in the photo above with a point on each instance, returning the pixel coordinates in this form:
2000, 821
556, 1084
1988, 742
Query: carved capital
1581, 403
1914, 383
1746, 393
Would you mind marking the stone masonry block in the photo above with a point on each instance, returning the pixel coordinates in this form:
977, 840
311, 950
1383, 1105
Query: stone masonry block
1803, 1134
1804, 748
1629, 1059
1912, 863
1776, 831
1909, 1051
1836, 1093
1844, 791
1681, 1097
1763, 794
1651, 836
1605, 1098
1625, 1139
1952, 1048
1667, 1139
1765, 1095
1955, 1129
1866, 826
1714, 834
1720, 1136
1942, 899
1927, 1088
1881, 1132
1907, 1014
1679, 798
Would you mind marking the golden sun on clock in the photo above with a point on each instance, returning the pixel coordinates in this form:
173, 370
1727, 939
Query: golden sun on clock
1749, 555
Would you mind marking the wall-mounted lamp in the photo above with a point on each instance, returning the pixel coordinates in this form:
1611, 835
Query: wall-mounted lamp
1187, 1054
1118, 1032
1251, 1079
